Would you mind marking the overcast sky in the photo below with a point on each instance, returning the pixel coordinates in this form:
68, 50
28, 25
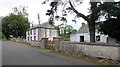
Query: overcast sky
36, 6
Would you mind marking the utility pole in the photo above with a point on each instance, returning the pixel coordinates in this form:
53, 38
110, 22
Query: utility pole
38, 18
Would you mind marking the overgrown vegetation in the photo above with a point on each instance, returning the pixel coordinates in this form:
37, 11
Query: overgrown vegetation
2, 36
111, 26
66, 31
97, 9
91, 18
15, 23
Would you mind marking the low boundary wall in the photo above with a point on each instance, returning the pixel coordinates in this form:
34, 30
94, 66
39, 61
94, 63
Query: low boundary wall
99, 50
43, 43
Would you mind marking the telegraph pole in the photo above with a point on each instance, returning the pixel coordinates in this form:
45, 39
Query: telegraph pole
38, 18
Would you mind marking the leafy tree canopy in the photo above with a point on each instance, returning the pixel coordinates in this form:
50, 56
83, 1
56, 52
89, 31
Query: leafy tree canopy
69, 8
65, 31
111, 26
15, 24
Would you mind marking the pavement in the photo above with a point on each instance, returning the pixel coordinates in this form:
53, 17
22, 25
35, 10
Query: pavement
20, 54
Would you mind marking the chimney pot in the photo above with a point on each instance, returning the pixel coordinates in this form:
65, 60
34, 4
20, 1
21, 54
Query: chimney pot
83, 24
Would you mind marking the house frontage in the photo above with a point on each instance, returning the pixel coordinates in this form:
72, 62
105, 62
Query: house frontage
44, 30
83, 35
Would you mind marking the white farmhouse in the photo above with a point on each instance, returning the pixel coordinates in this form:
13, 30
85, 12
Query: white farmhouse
83, 35
44, 30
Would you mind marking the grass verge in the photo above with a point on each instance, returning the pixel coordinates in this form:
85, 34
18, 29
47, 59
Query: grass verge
83, 58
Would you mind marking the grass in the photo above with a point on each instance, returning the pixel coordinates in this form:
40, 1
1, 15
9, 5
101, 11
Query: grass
95, 61
83, 58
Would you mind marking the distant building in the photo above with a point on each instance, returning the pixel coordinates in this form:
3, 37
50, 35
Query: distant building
44, 30
83, 35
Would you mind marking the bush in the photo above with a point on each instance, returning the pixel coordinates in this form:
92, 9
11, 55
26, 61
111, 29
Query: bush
2, 36
66, 39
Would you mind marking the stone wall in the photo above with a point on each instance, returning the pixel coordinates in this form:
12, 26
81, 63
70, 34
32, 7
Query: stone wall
99, 50
43, 43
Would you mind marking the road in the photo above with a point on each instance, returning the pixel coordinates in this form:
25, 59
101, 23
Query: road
20, 54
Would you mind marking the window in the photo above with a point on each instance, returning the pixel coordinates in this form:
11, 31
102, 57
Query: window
31, 32
34, 31
28, 32
28, 38
97, 38
81, 38
31, 38
34, 37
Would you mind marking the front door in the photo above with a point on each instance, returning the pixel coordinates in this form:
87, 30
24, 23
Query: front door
81, 38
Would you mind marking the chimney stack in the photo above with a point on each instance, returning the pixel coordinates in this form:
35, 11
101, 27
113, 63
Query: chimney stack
83, 23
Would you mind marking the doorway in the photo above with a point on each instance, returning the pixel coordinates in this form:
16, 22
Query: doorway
81, 38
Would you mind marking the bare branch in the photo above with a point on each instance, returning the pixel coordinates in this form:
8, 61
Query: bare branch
78, 14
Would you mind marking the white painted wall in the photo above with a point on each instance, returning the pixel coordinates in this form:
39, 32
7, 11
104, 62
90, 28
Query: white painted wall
40, 33
54, 33
103, 38
36, 33
48, 33
32, 35
76, 37
26, 35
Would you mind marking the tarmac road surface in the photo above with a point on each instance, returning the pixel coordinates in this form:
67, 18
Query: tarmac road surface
20, 54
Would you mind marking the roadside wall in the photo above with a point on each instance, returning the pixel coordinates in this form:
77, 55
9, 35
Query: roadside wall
43, 43
99, 50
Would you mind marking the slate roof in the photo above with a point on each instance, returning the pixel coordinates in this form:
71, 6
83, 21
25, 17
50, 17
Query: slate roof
45, 25
83, 29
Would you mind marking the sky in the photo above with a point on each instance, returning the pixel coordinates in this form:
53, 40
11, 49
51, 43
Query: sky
36, 6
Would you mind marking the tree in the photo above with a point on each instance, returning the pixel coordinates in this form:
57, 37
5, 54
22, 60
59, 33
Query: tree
66, 31
21, 10
91, 19
111, 26
58, 28
1, 34
15, 24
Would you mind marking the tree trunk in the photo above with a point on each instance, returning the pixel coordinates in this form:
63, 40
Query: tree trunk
91, 22
92, 32
92, 35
